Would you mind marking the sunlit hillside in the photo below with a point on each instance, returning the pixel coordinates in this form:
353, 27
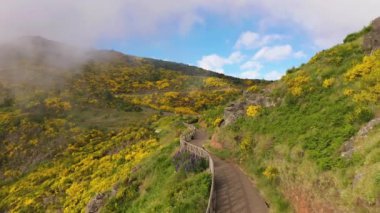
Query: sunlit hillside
77, 123
318, 145
87, 130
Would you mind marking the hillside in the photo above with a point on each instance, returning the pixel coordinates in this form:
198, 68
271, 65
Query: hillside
97, 130
313, 136
76, 125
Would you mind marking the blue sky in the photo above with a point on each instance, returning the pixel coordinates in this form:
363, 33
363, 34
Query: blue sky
243, 38
211, 44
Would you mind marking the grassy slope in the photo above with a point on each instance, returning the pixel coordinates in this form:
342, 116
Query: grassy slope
156, 187
296, 146
60, 146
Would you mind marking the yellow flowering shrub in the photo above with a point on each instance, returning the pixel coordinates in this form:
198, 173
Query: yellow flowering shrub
245, 145
83, 171
253, 110
369, 64
252, 89
270, 172
184, 110
348, 92
296, 91
328, 82
57, 105
162, 84
296, 84
365, 97
217, 122
367, 78
215, 82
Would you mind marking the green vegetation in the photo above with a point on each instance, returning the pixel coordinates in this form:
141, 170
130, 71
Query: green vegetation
107, 123
157, 187
353, 36
296, 146
108, 126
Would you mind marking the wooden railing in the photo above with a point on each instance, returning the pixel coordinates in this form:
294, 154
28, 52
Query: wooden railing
200, 152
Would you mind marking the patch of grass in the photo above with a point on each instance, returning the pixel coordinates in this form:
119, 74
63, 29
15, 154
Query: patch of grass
269, 188
221, 153
157, 187
354, 36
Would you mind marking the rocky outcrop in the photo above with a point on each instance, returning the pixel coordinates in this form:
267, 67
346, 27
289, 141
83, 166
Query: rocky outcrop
97, 203
348, 147
233, 111
372, 39
237, 109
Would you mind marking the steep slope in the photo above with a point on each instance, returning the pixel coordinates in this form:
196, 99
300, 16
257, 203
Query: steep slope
74, 124
301, 146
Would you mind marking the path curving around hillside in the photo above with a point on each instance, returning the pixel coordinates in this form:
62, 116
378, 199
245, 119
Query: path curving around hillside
235, 192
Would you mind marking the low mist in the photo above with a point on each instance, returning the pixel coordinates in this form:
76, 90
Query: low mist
37, 62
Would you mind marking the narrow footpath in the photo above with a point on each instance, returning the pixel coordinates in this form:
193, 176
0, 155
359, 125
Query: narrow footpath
235, 193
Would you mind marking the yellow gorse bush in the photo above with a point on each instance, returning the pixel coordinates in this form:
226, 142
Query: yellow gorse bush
56, 104
253, 110
270, 172
73, 183
348, 92
367, 74
253, 88
370, 63
296, 84
217, 122
215, 82
328, 82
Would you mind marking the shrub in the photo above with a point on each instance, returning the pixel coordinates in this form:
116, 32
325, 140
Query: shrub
348, 92
353, 36
253, 110
328, 82
189, 162
270, 172
217, 122
215, 82
252, 89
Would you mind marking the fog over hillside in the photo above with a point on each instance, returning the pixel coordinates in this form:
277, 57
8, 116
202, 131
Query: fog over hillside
88, 21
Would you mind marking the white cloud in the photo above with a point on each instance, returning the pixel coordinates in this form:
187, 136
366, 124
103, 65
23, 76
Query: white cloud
273, 75
212, 62
91, 20
251, 65
327, 23
252, 40
250, 74
236, 57
247, 40
216, 63
300, 54
274, 53
88, 21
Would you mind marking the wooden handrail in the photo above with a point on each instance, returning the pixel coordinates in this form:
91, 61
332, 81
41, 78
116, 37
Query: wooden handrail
200, 152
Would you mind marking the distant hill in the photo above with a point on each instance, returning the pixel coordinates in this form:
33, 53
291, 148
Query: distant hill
38, 61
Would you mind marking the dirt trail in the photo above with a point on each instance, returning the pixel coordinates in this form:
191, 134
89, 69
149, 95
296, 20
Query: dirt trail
235, 193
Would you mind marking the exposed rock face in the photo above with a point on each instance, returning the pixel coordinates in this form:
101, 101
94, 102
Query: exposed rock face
97, 202
233, 111
348, 147
260, 99
237, 109
372, 39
